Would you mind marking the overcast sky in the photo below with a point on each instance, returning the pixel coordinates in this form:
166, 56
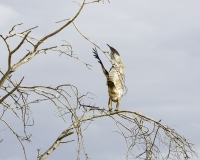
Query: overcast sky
159, 44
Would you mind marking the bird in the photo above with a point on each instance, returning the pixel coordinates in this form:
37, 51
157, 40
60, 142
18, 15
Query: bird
114, 77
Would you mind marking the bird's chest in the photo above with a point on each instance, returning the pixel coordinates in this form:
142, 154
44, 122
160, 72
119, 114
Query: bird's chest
113, 93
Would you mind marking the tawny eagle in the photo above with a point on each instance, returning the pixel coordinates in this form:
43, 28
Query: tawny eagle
114, 77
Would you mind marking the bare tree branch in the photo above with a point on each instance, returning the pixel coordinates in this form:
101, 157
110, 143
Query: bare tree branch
55, 145
20, 43
143, 135
18, 137
13, 28
57, 31
9, 93
91, 41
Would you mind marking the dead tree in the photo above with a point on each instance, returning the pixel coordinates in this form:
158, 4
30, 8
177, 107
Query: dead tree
142, 134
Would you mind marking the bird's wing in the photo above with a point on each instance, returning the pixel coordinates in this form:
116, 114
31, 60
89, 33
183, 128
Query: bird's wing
99, 60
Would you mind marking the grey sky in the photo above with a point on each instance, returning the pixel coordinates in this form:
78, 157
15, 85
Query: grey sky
159, 44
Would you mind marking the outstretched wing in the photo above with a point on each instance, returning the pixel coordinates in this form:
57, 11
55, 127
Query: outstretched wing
99, 60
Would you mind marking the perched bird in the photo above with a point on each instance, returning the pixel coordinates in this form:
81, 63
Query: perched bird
114, 77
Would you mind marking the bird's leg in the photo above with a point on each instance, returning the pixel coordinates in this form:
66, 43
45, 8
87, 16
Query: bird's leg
110, 104
118, 104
